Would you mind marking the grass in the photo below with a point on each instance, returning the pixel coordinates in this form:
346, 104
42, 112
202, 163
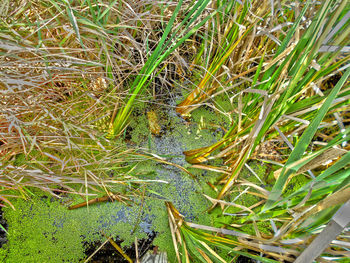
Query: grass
273, 77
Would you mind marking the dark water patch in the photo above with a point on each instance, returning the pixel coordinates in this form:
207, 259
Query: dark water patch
243, 259
3, 234
108, 253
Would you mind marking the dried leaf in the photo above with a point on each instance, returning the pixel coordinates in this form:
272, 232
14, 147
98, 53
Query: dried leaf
153, 123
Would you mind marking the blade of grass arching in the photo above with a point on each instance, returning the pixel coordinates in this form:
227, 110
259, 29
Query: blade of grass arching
193, 247
198, 8
315, 221
107, 10
331, 171
258, 70
2, 198
304, 142
73, 20
316, 193
4, 229
346, 181
340, 164
302, 164
91, 9
192, 30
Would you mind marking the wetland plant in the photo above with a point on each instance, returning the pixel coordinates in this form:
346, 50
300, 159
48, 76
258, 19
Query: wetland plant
72, 74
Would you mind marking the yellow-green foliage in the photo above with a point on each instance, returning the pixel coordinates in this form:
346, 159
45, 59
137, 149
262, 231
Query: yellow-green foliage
140, 129
295, 183
207, 118
43, 230
345, 260
228, 215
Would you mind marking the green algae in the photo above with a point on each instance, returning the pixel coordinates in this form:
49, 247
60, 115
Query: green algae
295, 183
43, 230
140, 129
207, 118
42, 221
33, 236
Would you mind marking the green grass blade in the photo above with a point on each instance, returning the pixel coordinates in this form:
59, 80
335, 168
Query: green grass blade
73, 21
304, 142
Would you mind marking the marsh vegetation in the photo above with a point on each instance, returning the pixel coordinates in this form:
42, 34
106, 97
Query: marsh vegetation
214, 131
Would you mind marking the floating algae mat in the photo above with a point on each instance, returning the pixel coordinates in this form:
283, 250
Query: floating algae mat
42, 229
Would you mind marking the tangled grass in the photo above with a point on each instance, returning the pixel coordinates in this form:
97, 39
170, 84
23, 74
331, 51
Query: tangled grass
72, 71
